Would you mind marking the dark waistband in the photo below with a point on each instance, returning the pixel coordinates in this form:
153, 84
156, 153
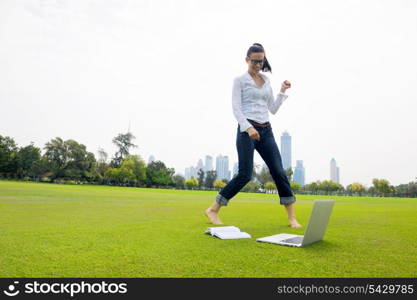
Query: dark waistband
256, 124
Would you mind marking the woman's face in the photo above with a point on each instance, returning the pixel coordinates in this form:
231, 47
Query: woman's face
254, 60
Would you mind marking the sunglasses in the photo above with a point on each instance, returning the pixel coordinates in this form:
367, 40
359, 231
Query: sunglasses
257, 61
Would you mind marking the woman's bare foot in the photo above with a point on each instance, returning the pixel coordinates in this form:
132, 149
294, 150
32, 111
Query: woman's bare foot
213, 216
291, 216
294, 223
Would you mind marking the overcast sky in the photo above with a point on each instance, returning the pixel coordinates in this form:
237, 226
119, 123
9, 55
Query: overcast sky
84, 69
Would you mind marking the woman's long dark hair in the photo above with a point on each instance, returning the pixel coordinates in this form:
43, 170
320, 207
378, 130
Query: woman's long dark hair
258, 48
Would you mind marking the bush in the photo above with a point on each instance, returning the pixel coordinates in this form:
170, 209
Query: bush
45, 179
251, 186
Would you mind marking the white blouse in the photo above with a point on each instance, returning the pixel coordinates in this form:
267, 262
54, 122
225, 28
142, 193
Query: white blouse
253, 102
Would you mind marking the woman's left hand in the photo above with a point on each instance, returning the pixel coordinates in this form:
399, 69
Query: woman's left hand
285, 85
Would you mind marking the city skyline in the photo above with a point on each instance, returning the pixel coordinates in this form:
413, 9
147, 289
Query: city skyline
298, 171
224, 172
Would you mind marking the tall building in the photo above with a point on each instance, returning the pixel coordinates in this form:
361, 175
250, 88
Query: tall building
208, 163
200, 165
222, 167
299, 173
193, 172
187, 174
286, 150
338, 175
190, 172
334, 171
235, 169
151, 159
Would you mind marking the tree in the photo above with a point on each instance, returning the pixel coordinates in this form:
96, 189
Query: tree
41, 168
80, 161
111, 175
329, 186
264, 175
200, 174
295, 186
382, 186
191, 183
289, 173
251, 186
56, 154
255, 167
126, 175
312, 187
123, 142
158, 174
179, 181
225, 181
68, 159
102, 156
270, 186
137, 165
356, 188
219, 184
121, 176
407, 190
210, 178
101, 164
27, 158
8, 152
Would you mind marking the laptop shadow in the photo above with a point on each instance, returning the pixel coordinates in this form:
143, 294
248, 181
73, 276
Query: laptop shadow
321, 246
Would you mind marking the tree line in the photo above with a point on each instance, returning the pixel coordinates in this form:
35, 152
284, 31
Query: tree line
67, 161
262, 182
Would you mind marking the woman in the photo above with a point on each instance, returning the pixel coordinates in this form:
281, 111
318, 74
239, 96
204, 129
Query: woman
252, 97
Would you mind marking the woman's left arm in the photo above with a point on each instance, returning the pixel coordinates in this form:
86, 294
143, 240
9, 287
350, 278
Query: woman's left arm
273, 106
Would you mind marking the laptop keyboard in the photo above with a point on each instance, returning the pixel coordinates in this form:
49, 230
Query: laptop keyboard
294, 240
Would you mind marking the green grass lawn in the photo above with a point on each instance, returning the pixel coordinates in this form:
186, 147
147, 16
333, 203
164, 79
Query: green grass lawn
50, 230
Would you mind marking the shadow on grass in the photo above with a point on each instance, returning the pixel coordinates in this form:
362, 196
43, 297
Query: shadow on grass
321, 246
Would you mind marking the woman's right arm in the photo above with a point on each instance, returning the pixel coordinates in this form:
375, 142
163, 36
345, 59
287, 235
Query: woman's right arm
237, 106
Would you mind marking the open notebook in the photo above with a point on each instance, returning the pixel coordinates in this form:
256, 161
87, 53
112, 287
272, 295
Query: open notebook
227, 232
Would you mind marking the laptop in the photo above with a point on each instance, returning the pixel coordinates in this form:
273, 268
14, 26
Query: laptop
316, 227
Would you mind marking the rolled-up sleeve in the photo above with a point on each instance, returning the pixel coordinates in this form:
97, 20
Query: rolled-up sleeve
237, 106
273, 106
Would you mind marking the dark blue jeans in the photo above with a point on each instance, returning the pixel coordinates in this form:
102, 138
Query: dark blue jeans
268, 150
